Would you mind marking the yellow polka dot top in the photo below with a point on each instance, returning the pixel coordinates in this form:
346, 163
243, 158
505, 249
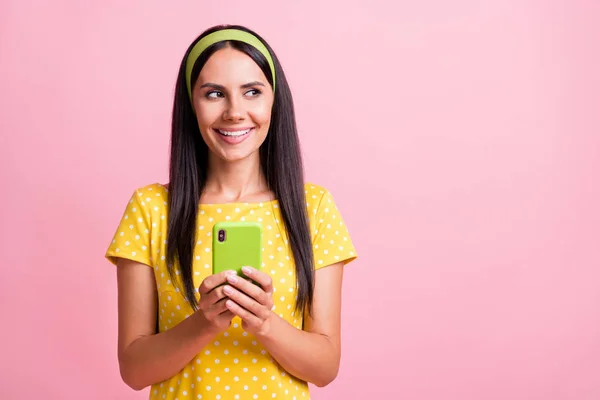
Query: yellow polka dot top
234, 365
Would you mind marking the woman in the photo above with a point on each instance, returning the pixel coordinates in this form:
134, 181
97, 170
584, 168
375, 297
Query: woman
235, 156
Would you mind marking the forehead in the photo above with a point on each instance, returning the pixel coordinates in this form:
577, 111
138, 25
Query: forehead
230, 66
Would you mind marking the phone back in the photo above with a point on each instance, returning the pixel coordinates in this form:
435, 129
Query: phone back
236, 244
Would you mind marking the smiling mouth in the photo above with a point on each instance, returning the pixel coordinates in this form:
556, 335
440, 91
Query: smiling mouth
236, 133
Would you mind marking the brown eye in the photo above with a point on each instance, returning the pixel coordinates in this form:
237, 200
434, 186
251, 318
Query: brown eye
253, 92
214, 94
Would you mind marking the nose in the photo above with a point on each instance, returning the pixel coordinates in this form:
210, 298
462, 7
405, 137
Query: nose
234, 111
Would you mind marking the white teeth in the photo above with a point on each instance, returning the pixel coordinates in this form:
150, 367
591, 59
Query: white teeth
236, 133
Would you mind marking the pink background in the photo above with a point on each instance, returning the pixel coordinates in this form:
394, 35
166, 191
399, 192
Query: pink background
460, 139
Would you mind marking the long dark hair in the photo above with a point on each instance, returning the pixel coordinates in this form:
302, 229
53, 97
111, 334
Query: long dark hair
280, 160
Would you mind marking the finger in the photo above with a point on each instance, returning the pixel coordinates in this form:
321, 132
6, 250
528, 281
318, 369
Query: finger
245, 301
249, 289
213, 296
218, 307
212, 311
213, 281
264, 280
244, 314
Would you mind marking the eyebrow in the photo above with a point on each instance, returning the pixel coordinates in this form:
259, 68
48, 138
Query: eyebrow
222, 88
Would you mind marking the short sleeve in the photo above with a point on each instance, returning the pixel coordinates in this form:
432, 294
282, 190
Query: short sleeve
331, 239
132, 238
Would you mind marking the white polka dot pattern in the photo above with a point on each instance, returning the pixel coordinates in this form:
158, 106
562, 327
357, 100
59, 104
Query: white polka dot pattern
234, 365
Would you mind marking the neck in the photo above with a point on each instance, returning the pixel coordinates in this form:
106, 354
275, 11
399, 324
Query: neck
235, 181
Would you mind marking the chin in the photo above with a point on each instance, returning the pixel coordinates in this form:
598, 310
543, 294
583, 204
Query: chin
234, 156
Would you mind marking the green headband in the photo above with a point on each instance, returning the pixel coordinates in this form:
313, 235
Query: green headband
219, 36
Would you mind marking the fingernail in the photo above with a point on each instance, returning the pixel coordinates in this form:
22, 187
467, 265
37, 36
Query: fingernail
231, 272
247, 270
232, 278
227, 289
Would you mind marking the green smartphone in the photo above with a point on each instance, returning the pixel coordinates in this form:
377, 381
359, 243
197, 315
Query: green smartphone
235, 245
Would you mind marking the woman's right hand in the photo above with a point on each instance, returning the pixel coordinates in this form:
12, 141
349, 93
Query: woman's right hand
214, 315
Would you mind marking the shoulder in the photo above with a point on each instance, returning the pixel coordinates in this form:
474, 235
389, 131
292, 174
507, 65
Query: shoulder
314, 191
316, 197
153, 188
150, 196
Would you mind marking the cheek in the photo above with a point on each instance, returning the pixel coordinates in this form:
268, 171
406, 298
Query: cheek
206, 116
262, 115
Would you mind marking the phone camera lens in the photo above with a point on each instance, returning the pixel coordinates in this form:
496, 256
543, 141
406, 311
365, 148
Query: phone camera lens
221, 235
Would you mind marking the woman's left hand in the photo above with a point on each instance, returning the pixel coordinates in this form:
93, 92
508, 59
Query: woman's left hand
251, 302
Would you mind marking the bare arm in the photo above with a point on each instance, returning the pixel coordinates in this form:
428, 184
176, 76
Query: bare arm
312, 354
147, 357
